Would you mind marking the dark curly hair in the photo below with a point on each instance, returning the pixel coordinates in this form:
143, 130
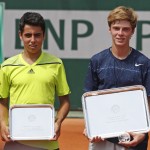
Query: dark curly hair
32, 18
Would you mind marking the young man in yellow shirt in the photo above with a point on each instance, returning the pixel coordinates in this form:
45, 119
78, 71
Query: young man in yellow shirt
32, 77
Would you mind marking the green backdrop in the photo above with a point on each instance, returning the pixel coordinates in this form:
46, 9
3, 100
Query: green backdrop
2, 5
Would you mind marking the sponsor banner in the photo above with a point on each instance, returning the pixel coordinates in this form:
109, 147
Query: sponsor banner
74, 34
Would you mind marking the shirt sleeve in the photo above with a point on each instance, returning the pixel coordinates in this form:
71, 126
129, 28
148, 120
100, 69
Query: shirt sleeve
62, 87
147, 79
4, 85
91, 79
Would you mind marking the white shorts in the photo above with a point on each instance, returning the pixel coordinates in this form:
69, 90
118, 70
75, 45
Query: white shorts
106, 145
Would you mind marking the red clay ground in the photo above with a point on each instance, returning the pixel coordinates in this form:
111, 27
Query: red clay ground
71, 136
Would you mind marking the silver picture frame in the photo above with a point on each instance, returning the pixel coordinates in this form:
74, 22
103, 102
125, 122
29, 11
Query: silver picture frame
112, 112
31, 122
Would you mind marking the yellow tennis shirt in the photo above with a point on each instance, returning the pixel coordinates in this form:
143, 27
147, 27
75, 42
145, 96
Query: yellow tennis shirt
34, 84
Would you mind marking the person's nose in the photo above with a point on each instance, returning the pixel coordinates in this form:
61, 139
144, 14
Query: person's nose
33, 38
120, 32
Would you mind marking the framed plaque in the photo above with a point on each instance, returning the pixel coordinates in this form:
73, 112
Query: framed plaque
111, 112
31, 122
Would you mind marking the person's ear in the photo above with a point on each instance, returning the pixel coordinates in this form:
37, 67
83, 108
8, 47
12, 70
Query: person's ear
109, 29
133, 31
44, 36
20, 35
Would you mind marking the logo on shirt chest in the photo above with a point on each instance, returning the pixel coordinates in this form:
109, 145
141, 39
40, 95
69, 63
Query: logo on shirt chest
136, 64
31, 71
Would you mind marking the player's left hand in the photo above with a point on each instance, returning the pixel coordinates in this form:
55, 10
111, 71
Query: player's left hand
136, 139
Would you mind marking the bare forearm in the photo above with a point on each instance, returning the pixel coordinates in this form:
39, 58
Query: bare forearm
61, 114
63, 110
4, 130
4, 111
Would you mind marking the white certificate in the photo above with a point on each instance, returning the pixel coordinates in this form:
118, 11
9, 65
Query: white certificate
111, 112
31, 122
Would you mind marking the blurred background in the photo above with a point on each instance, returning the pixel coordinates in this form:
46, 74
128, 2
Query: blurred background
76, 29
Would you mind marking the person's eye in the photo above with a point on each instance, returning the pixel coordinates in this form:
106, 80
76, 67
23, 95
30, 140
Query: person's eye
116, 28
28, 35
126, 29
38, 35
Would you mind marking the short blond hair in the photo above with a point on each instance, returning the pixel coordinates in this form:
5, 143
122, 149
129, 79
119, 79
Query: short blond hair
123, 13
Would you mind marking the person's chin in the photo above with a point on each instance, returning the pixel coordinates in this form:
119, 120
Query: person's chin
120, 44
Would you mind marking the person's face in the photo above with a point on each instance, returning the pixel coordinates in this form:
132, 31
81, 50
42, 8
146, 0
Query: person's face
121, 32
32, 38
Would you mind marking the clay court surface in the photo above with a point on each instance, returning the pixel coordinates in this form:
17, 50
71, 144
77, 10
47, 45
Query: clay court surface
71, 136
